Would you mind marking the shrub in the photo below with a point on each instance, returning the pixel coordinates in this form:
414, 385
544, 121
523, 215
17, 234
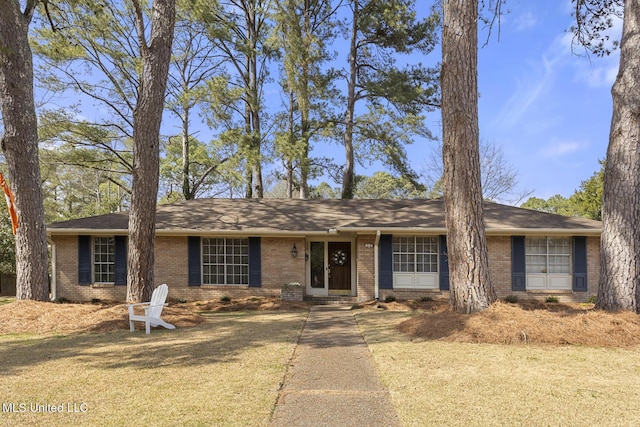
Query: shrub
96, 300
592, 299
225, 299
61, 300
552, 300
511, 299
390, 298
182, 301
426, 299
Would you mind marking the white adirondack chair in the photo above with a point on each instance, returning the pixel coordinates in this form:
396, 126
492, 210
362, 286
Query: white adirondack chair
152, 310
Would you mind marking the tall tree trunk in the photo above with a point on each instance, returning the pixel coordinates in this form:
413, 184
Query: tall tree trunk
470, 282
620, 248
255, 137
348, 179
186, 162
288, 161
20, 147
147, 118
304, 101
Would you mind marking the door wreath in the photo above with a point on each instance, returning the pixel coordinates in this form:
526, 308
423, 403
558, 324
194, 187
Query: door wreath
339, 257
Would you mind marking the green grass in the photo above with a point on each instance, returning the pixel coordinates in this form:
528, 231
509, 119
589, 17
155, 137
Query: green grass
226, 371
6, 300
456, 384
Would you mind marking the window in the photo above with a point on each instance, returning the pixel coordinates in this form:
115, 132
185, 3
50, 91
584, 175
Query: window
548, 263
415, 254
104, 257
548, 255
225, 261
415, 262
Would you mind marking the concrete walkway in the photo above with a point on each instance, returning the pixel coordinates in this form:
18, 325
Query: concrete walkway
332, 380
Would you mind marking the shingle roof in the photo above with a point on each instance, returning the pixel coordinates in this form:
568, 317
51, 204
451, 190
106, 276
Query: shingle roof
272, 216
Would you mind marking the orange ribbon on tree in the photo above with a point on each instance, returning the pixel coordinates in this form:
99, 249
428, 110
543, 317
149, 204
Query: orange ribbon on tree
11, 204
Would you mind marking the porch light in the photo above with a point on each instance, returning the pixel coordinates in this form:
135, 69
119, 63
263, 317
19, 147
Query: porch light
294, 251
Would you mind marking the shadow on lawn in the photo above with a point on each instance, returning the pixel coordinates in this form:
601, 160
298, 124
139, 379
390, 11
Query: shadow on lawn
218, 340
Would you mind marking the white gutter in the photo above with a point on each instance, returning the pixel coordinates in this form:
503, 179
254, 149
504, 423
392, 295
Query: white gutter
178, 232
358, 230
376, 263
493, 231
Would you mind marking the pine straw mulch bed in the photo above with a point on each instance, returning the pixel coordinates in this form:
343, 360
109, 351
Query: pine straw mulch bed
25, 317
521, 323
502, 323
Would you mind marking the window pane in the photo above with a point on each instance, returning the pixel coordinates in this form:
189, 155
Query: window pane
103, 259
225, 261
415, 254
548, 255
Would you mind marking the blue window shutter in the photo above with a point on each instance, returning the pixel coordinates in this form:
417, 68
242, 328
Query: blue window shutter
385, 264
580, 264
518, 264
120, 267
444, 264
194, 263
84, 260
255, 263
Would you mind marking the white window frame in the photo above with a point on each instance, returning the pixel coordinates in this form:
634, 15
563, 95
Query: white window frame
225, 258
548, 266
103, 264
407, 261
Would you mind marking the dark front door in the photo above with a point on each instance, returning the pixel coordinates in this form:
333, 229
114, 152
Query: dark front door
339, 268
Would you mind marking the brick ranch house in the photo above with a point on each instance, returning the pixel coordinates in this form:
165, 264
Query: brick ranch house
356, 250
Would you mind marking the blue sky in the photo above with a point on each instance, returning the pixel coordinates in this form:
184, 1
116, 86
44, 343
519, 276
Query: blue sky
548, 108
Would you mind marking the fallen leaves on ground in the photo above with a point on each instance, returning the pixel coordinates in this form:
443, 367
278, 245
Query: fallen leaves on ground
527, 323
20, 317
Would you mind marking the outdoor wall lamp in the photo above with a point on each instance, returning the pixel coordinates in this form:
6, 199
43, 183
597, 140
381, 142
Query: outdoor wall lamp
294, 251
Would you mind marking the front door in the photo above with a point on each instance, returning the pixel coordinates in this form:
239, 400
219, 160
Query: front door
339, 268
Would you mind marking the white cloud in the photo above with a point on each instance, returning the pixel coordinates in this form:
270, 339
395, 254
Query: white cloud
525, 21
528, 92
562, 148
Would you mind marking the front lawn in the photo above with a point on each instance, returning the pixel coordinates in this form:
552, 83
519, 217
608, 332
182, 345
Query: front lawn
225, 371
437, 382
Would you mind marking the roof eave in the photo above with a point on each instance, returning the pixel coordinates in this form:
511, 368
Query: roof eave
544, 231
184, 232
356, 230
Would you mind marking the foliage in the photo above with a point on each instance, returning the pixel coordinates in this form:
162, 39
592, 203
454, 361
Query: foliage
7, 242
239, 31
195, 66
325, 191
213, 169
556, 204
593, 20
588, 198
383, 185
585, 202
302, 32
394, 96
